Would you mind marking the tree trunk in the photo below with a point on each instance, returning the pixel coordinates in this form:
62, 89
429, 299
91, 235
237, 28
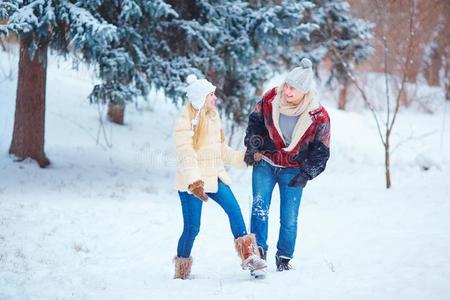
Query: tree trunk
342, 103
29, 121
448, 92
116, 113
447, 81
434, 68
387, 163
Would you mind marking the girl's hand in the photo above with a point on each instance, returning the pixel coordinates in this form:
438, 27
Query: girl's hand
257, 156
197, 188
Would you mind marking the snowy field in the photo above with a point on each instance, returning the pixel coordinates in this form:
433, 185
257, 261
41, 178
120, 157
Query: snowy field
103, 222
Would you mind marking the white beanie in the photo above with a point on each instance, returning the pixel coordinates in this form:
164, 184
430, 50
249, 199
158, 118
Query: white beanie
197, 90
302, 77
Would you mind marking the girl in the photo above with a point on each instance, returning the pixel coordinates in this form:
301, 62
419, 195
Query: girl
201, 156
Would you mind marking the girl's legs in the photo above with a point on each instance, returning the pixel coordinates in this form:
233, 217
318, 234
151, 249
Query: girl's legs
245, 244
226, 199
192, 210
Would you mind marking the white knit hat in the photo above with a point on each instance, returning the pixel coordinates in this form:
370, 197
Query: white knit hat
302, 77
197, 90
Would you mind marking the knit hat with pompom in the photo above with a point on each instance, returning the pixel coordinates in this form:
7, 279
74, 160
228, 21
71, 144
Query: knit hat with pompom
302, 77
197, 90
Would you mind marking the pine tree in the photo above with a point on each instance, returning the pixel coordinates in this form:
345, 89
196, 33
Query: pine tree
101, 32
125, 67
39, 25
238, 44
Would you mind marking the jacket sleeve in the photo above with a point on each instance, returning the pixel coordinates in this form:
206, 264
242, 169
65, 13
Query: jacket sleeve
234, 158
186, 155
254, 133
318, 155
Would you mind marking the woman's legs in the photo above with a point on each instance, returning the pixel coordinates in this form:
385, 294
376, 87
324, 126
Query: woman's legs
226, 199
192, 210
245, 244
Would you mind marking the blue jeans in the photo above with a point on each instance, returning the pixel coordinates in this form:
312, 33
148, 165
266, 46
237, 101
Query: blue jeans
265, 176
192, 210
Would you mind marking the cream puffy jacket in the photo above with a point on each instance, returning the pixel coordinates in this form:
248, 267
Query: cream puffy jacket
208, 162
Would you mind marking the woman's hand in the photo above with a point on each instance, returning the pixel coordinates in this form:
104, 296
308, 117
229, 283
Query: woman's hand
197, 188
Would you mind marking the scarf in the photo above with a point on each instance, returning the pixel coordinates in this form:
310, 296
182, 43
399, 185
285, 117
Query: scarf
290, 109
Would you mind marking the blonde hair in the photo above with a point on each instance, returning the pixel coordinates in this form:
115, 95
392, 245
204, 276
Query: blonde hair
201, 129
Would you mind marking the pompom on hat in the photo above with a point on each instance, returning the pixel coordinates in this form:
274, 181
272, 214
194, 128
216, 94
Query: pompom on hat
301, 77
197, 90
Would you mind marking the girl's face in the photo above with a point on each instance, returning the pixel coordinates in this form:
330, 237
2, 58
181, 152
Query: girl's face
292, 95
210, 102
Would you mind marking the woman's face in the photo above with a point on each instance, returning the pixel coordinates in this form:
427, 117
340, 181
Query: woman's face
292, 95
210, 102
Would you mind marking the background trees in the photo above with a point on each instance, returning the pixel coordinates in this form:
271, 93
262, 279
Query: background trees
40, 25
137, 45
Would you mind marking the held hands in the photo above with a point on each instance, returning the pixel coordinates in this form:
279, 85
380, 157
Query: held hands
251, 158
257, 156
197, 188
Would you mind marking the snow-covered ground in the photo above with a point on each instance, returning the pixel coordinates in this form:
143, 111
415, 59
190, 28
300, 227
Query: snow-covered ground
103, 222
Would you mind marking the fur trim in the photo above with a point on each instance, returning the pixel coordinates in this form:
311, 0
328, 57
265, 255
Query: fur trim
183, 267
245, 247
249, 254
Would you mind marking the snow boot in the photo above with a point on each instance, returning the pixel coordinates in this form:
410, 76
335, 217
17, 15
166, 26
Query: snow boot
182, 267
282, 263
248, 252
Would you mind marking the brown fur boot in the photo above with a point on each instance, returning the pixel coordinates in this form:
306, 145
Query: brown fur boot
249, 254
182, 267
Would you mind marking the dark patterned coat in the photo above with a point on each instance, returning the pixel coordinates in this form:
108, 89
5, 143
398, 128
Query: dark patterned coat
309, 149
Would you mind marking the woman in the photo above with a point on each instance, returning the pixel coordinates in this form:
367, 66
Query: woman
201, 156
288, 143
